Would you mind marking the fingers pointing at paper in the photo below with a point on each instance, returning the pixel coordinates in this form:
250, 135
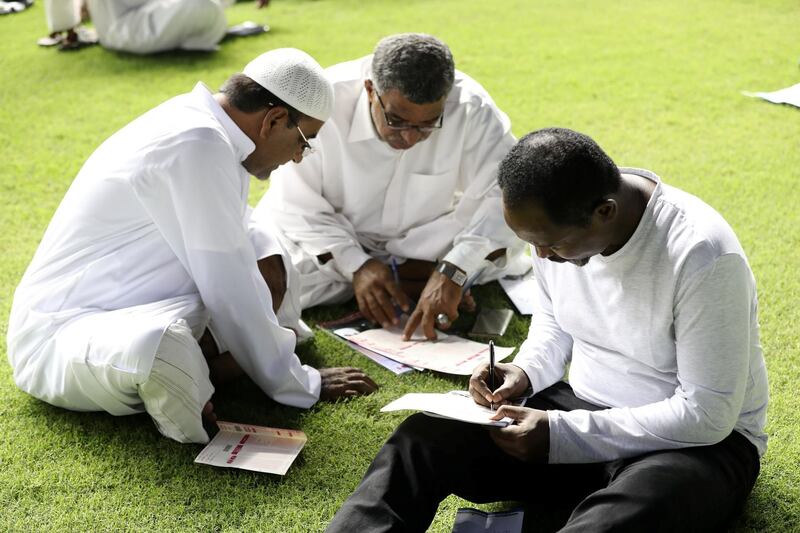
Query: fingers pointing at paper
511, 381
528, 438
440, 295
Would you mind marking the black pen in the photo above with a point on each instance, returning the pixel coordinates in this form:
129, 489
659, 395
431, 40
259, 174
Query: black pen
491, 370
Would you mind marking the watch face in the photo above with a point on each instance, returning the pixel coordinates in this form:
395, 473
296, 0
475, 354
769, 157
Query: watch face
459, 277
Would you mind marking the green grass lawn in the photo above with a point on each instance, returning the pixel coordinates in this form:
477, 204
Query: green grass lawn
655, 83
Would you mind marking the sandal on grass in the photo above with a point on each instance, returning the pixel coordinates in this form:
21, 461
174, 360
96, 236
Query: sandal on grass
7, 8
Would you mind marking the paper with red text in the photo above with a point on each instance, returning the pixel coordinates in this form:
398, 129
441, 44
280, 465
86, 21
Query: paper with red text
449, 354
256, 448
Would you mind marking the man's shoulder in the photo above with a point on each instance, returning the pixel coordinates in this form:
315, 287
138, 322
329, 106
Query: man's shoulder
468, 90
349, 73
694, 230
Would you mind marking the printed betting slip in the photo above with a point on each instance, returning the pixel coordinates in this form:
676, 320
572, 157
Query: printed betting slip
257, 448
449, 354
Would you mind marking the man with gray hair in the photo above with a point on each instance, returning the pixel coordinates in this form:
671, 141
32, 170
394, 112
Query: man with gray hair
400, 199
145, 288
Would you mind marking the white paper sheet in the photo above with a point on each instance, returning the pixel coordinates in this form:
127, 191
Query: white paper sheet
456, 405
256, 448
385, 362
449, 354
521, 291
790, 95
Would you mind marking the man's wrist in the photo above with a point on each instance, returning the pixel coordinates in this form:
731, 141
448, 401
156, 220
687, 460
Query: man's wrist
452, 272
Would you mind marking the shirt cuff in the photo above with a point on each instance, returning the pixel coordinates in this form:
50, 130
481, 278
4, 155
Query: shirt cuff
535, 382
349, 259
468, 258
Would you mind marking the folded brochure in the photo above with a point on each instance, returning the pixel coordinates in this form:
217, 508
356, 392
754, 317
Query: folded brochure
257, 448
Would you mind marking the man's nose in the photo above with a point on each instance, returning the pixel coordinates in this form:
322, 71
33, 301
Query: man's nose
411, 136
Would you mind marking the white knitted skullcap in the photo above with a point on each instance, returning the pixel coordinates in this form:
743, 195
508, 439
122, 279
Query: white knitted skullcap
296, 78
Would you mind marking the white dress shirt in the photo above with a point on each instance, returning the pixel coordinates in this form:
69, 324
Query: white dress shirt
357, 197
153, 229
664, 332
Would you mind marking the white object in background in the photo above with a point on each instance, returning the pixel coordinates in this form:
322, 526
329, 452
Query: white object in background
790, 95
456, 405
257, 448
521, 290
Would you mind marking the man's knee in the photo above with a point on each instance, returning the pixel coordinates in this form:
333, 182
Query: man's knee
691, 489
273, 271
178, 387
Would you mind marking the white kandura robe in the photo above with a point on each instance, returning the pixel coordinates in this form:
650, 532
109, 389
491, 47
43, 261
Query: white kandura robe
145, 26
357, 198
153, 229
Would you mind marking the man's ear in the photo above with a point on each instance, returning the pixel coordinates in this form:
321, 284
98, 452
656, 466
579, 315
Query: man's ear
276, 116
607, 210
369, 86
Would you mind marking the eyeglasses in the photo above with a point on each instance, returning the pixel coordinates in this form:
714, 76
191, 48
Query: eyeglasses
307, 148
395, 125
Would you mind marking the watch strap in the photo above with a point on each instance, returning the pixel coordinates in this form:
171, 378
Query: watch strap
456, 275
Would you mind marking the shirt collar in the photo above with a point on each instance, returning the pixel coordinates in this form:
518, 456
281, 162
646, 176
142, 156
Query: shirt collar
241, 143
362, 128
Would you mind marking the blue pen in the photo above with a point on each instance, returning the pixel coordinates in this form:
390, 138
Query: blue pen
398, 311
394, 271
491, 369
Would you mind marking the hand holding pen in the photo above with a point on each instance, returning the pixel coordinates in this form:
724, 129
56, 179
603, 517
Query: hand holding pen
504, 384
378, 293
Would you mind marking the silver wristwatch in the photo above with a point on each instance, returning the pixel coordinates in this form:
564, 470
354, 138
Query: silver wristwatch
456, 275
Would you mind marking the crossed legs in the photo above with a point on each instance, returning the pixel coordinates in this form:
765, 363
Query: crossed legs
427, 459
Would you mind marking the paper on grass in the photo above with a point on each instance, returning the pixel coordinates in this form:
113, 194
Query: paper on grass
521, 290
354, 323
456, 405
790, 95
256, 448
385, 362
449, 354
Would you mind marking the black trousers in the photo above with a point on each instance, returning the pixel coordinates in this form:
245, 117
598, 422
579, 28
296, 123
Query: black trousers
426, 459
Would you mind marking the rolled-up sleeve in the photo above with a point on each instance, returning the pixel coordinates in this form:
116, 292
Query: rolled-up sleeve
480, 209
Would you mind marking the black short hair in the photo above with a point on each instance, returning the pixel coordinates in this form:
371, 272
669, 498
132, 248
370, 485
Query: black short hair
247, 95
564, 172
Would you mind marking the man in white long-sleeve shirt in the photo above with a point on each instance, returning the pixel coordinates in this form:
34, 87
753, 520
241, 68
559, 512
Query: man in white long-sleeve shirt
149, 252
645, 292
404, 173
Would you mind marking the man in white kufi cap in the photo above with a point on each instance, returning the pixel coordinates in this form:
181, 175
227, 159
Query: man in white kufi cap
145, 290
